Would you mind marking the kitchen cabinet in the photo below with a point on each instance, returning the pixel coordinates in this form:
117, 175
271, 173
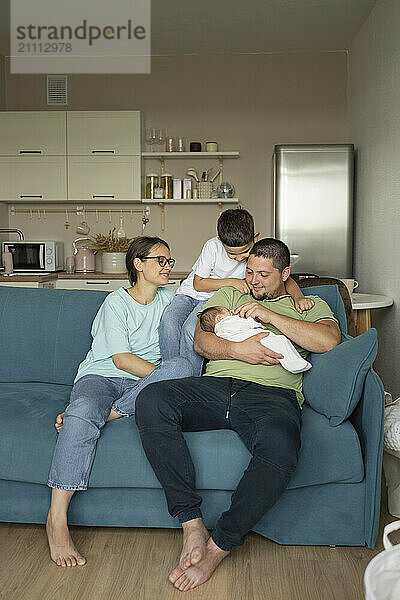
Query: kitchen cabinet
97, 152
29, 284
33, 179
103, 285
32, 133
103, 178
99, 133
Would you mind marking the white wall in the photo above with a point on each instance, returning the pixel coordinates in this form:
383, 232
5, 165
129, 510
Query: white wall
374, 111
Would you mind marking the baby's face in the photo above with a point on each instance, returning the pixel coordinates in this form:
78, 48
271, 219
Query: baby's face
222, 314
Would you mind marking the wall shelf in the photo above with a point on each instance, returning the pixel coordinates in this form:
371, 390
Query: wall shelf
190, 154
191, 201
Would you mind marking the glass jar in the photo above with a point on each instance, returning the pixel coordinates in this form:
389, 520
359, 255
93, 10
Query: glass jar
151, 184
166, 184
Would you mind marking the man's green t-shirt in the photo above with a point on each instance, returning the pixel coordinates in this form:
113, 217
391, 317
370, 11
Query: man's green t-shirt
271, 375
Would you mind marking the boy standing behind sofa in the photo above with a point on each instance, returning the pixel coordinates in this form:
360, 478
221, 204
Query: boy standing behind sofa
222, 263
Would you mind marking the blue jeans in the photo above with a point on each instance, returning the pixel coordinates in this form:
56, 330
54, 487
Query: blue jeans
267, 420
91, 401
176, 330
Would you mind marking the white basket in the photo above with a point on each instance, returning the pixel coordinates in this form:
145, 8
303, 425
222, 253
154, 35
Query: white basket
382, 576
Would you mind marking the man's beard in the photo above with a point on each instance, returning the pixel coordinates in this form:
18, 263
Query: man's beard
264, 296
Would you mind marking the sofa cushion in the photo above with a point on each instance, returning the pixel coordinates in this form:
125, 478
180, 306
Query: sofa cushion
334, 385
219, 456
46, 331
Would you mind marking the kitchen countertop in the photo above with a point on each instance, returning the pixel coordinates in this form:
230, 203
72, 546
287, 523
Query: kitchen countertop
63, 275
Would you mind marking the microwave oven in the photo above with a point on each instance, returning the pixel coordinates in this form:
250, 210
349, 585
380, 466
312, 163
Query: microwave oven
36, 256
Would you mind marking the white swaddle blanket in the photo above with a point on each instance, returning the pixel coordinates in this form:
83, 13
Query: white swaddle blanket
238, 329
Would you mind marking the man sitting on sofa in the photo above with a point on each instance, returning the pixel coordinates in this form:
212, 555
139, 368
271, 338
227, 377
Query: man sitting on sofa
244, 389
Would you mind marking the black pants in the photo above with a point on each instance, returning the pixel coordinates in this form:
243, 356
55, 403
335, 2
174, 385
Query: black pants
268, 421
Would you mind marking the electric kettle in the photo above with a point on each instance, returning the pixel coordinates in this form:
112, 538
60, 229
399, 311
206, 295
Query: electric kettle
84, 257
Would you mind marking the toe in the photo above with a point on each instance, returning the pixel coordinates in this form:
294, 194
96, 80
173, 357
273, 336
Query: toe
81, 560
180, 581
175, 574
73, 561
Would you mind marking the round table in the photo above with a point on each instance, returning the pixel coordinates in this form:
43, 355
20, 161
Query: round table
363, 304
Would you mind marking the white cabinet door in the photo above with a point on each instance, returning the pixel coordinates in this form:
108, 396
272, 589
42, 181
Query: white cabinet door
103, 178
104, 285
33, 178
29, 284
104, 132
32, 133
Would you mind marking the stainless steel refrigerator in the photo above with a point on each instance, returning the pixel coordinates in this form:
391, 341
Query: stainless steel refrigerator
313, 206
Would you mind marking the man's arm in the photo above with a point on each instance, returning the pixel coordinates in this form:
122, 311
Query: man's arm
315, 337
211, 346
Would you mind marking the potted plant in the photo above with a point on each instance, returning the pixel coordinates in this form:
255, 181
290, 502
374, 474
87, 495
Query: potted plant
113, 249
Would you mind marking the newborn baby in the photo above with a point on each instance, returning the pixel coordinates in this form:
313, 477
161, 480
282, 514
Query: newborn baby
236, 329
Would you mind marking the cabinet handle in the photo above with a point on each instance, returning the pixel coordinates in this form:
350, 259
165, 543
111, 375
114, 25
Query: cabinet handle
31, 196
97, 282
30, 152
103, 151
111, 196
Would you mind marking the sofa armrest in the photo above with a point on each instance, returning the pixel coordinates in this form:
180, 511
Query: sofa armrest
367, 419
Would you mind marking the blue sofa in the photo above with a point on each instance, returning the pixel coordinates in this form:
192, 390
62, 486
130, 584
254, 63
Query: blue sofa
332, 499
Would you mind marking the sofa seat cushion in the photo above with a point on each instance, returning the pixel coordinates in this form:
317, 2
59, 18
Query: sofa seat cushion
28, 437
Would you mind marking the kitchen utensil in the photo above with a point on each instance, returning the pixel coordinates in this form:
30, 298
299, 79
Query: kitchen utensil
166, 183
195, 146
181, 144
210, 173
193, 173
84, 257
211, 147
121, 231
82, 228
151, 137
160, 136
225, 190
214, 177
158, 193
170, 145
151, 184
204, 189
70, 265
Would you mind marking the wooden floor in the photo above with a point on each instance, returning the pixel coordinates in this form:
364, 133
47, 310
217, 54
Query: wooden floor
133, 564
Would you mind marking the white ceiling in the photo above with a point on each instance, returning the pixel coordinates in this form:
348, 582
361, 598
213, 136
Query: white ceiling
226, 26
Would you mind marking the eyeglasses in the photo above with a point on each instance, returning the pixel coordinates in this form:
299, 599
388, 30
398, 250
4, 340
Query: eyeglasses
162, 260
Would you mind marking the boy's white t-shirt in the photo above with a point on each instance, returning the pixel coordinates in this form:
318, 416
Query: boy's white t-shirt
212, 262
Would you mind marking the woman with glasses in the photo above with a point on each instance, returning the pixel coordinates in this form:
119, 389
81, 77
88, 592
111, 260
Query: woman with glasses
123, 359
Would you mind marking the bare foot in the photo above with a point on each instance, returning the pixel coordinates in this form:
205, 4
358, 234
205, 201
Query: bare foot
62, 549
195, 536
60, 419
197, 574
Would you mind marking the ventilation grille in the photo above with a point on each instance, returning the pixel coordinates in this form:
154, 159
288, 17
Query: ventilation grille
57, 90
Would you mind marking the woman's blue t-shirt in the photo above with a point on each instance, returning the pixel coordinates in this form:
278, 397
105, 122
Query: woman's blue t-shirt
124, 325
